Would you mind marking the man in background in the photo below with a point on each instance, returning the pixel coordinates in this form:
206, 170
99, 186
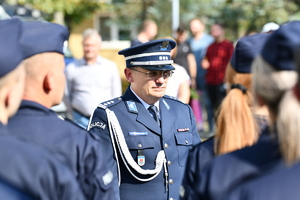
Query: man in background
185, 56
149, 31
90, 80
217, 57
199, 43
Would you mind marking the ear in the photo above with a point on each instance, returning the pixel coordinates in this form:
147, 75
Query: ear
128, 75
48, 82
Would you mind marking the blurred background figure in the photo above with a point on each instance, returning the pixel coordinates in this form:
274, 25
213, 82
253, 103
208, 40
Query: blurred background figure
148, 32
269, 27
216, 59
90, 80
184, 56
199, 42
179, 84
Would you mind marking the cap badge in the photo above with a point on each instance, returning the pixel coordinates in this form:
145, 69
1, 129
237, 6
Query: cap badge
164, 45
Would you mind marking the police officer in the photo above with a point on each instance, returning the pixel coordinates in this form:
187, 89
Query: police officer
230, 115
282, 184
42, 44
26, 171
273, 76
146, 134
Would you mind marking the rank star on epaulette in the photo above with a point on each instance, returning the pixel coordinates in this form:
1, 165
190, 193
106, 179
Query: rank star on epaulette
164, 45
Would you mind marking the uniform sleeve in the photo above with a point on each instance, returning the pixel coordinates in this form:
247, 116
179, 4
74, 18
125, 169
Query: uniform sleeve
98, 128
196, 137
53, 175
187, 191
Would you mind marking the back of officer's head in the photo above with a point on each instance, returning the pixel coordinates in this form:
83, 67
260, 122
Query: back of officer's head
274, 77
11, 67
42, 45
236, 108
274, 69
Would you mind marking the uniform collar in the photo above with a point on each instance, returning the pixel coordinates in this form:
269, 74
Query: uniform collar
33, 108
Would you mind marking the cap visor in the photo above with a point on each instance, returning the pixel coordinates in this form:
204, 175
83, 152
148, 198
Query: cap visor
158, 67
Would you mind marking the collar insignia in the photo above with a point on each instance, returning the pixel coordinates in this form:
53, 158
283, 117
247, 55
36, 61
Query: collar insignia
166, 104
131, 106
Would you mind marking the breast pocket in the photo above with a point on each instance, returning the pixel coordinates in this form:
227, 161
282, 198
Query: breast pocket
183, 143
135, 143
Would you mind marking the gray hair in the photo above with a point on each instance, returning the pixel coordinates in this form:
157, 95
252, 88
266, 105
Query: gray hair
90, 32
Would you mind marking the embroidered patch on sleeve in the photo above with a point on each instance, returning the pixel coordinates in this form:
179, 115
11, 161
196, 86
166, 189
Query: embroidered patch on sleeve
100, 125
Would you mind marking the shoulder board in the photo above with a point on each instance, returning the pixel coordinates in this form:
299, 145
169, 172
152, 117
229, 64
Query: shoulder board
173, 98
110, 103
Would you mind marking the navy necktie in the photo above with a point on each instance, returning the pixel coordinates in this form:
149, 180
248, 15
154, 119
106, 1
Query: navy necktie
153, 110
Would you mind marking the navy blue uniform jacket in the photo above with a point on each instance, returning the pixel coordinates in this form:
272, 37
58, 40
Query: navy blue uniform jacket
199, 158
229, 171
280, 185
177, 135
34, 171
38, 124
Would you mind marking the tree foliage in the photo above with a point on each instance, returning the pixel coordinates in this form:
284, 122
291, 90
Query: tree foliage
238, 16
74, 11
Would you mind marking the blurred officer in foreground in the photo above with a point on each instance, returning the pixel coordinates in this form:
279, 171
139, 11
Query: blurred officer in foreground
236, 111
44, 86
283, 184
146, 135
273, 76
26, 171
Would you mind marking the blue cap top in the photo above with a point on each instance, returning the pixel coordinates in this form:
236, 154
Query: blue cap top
246, 49
280, 46
10, 48
153, 55
41, 37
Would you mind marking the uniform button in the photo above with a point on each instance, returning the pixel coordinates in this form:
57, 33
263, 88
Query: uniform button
186, 142
171, 181
171, 199
140, 145
166, 145
169, 163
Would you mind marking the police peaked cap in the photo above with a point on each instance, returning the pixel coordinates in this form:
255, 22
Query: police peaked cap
246, 49
153, 55
279, 49
41, 37
10, 48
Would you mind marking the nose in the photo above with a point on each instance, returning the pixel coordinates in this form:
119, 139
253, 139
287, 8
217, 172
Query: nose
160, 79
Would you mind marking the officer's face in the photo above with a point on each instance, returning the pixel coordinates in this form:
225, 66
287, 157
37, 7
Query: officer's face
91, 47
149, 89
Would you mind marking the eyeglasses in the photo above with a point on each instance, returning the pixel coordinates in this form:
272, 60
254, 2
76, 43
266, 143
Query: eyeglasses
156, 74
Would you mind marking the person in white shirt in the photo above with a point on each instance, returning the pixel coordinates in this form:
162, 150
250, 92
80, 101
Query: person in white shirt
90, 80
179, 83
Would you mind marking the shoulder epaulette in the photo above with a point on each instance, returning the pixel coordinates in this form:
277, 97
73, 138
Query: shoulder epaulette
173, 98
109, 103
